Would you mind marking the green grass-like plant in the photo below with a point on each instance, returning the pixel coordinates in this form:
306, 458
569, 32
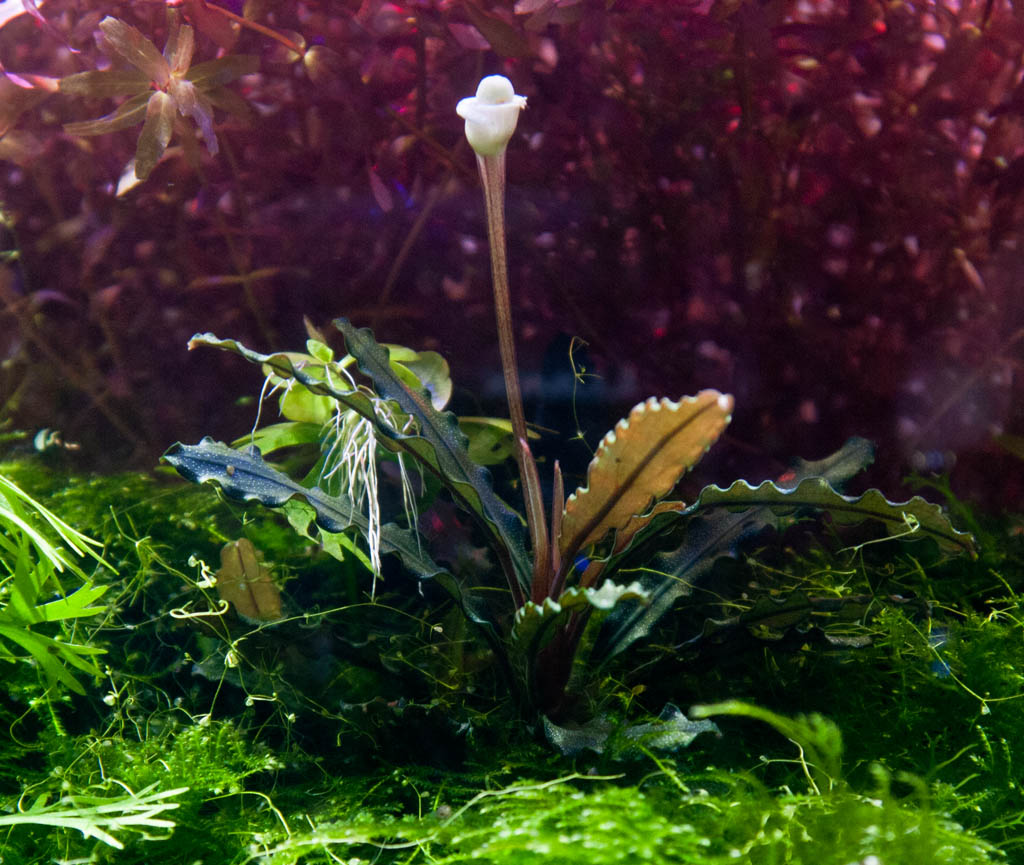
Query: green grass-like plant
36, 546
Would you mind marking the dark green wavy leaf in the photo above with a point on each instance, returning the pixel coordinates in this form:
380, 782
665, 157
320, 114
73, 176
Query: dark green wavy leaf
243, 475
912, 519
701, 536
467, 480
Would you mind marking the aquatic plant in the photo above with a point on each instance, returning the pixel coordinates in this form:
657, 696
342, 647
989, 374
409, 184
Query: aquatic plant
394, 797
728, 192
567, 611
103, 817
162, 87
726, 223
36, 546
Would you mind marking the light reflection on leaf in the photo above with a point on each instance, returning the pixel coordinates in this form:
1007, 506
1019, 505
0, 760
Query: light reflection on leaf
156, 133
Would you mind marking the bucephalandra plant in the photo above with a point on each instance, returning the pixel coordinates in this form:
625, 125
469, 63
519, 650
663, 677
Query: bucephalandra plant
564, 612
348, 441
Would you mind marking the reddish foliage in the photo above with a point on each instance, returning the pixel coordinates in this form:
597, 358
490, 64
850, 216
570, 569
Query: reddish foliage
813, 205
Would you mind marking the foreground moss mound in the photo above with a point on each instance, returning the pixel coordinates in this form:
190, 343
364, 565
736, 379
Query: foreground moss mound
382, 733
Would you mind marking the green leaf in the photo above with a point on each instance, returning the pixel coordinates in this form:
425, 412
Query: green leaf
819, 739
640, 461
136, 49
490, 438
772, 616
441, 447
103, 83
214, 73
52, 655
437, 446
32, 560
73, 606
130, 113
302, 518
699, 541
281, 435
423, 369
243, 475
16, 506
100, 816
912, 519
535, 623
726, 516
156, 133
298, 404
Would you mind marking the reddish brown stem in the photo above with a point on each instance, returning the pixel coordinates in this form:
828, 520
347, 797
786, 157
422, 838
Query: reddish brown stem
492, 176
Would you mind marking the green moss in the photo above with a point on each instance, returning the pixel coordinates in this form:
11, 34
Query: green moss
380, 733
720, 818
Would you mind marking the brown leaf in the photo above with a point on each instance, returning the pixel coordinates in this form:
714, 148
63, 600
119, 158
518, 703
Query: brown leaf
640, 461
244, 582
213, 22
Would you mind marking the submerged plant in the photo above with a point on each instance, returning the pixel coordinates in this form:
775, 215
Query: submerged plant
103, 817
36, 546
162, 87
565, 611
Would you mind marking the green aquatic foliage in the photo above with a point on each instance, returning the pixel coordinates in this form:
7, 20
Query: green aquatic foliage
948, 790
346, 440
434, 442
103, 817
672, 817
569, 614
131, 794
37, 613
820, 741
161, 88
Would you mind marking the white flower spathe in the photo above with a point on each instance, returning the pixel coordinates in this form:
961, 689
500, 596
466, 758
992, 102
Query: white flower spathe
491, 115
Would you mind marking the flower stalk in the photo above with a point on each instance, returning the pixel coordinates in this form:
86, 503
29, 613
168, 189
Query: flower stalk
491, 118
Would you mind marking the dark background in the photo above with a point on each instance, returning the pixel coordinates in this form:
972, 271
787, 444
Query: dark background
814, 206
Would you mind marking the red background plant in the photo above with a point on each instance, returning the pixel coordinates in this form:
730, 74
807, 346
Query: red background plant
812, 206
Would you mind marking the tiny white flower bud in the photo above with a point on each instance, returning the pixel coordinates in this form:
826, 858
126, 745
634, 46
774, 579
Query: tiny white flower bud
491, 115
